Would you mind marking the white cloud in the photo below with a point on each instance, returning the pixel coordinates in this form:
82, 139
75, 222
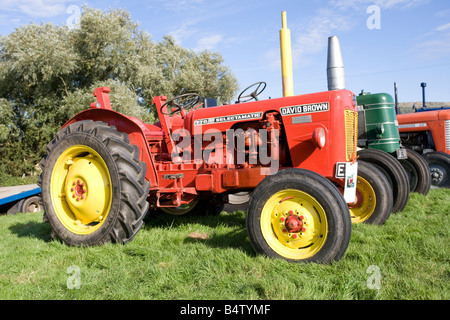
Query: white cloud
209, 42
191, 16
443, 13
383, 4
6, 20
36, 8
184, 31
181, 5
436, 44
443, 27
337, 17
402, 4
434, 49
311, 36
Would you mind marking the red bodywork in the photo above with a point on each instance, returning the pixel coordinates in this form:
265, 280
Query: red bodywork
417, 128
287, 122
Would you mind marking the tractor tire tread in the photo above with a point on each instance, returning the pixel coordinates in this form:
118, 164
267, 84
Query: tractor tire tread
133, 204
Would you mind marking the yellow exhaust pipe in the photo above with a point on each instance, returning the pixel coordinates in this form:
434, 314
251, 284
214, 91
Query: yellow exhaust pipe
286, 58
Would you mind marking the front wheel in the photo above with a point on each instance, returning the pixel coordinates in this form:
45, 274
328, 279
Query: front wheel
439, 163
93, 185
393, 171
299, 216
374, 201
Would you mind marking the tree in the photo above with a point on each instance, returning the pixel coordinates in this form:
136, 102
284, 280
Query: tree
48, 74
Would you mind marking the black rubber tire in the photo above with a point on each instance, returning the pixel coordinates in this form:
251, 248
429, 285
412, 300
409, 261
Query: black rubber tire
393, 171
323, 191
32, 204
439, 163
382, 191
418, 172
130, 189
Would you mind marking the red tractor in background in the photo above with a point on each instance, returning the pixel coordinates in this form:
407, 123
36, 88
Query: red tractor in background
427, 131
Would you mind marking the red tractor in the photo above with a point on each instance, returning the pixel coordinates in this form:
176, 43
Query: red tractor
296, 156
104, 171
428, 132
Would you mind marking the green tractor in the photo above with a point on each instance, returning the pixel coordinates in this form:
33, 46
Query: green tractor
379, 144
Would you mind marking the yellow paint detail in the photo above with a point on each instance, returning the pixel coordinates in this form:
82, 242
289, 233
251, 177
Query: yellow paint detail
367, 204
81, 190
286, 58
351, 134
300, 245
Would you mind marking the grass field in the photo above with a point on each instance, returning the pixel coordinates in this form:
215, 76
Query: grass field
405, 259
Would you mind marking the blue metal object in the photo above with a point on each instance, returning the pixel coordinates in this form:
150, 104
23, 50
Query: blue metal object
431, 109
20, 195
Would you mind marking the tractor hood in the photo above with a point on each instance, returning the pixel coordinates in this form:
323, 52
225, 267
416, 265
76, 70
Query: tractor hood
223, 117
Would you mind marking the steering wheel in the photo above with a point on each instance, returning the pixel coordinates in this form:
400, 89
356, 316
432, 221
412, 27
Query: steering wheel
254, 93
182, 102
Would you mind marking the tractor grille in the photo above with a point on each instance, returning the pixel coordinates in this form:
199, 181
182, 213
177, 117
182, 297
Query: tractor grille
351, 134
447, 134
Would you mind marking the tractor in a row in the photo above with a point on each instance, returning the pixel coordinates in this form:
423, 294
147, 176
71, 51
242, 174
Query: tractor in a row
379, 143
427, 132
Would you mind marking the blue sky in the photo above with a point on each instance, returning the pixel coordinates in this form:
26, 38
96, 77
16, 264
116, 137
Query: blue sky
410, 45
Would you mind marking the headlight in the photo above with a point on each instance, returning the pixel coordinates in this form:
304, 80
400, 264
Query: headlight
319, 138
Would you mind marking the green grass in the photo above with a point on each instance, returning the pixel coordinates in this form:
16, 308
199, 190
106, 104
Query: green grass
411, 252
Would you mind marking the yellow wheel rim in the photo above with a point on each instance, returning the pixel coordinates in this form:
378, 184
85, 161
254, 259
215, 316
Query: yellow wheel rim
181, 210
294, 224
81, 190
365, 203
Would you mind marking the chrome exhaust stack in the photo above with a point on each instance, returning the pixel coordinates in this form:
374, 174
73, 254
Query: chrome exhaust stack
335, 65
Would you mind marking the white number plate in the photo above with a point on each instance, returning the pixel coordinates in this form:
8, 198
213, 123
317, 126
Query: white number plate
349, 172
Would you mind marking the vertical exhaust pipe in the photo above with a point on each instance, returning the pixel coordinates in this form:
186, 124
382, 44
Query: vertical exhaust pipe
286, 58
423, 85
335, 65
397, 109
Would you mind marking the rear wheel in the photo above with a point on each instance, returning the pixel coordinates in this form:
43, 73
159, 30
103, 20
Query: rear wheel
374, 201
418, 172
439, 163
394, 173
93, 185
299, 216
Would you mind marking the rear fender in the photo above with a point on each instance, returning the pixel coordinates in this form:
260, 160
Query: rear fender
129, 125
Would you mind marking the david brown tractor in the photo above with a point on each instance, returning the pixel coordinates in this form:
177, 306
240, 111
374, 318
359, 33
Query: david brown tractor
427, 132
105, 171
